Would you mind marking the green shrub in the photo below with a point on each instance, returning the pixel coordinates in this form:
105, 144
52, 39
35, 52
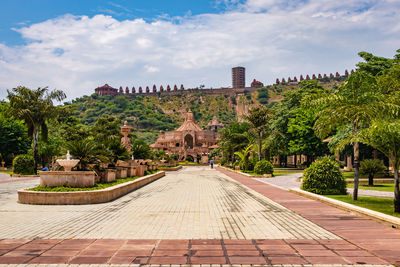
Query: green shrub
246, 165
371, 167
264, 167
24, 164
223, 162
324, 177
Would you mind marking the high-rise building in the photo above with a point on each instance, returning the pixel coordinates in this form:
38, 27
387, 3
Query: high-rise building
238, 77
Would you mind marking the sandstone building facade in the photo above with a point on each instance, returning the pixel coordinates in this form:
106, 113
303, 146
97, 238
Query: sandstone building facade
188, 140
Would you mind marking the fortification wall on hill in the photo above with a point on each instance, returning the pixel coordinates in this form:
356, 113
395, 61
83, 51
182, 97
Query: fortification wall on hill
206, 91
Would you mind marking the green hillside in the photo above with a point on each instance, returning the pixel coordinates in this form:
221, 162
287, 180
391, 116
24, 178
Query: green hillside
149, 114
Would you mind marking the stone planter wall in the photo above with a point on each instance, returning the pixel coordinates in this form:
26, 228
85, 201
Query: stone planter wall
85, 197
109, 175
171, 169
131, 171
122, 172
67, 178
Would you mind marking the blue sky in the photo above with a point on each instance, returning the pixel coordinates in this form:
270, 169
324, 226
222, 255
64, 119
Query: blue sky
17, 13
77, 46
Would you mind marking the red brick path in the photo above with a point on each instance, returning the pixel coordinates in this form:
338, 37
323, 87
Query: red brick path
212, 251
375, 238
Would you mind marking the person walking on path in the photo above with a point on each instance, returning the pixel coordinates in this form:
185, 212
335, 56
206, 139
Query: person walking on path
211, 163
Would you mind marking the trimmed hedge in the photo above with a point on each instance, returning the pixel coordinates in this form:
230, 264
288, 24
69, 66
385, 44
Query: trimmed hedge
24, 164
264, 167
324, 177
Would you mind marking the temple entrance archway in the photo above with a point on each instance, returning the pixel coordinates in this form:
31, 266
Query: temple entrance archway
189, 141
189, 158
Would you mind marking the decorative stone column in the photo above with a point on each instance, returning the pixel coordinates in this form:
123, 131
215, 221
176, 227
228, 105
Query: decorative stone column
349, 164
126, 142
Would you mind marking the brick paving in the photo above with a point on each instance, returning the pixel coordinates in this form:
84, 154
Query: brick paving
375, 238
200, 251
267, 227
193, 203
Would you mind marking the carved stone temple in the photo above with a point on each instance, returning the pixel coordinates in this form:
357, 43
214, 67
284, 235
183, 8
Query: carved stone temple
189, 140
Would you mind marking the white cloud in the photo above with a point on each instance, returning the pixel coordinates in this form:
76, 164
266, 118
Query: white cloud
271, 38
151, 69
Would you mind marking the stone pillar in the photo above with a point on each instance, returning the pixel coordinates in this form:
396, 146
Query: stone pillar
140, 170
110, 175
125, 130
349, 164
121, 172
131, 171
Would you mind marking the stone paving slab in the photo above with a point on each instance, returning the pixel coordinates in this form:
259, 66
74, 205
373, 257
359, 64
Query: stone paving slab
109, 251
195, 265
377, 239
193, 203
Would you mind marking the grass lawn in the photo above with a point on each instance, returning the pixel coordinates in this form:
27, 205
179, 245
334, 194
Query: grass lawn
251, 173
97, 186
350, 175
9, 172
188, 163
168, 167
376, 187
383, 205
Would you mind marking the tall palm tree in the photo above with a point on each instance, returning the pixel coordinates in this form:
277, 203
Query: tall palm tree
259, 118
35, 107
357, 102
385, 136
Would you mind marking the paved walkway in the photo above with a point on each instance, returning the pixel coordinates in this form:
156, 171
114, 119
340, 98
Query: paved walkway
4, 176
193, 216
284, 181
194, 203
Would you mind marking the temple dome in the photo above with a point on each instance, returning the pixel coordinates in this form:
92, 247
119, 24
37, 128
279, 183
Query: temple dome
189, 124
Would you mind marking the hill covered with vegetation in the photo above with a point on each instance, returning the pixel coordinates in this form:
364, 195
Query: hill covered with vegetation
152, 113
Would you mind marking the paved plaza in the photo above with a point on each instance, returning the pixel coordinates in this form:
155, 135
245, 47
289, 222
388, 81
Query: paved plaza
195, 203
193, 216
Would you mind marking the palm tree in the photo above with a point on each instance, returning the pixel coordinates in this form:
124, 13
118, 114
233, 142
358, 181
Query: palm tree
356, 102
234, 137
259, 118
35, 107
85, 150
385, 136
244, 156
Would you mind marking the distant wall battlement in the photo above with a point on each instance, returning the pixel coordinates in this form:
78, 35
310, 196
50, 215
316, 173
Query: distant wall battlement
108, 90
313, 77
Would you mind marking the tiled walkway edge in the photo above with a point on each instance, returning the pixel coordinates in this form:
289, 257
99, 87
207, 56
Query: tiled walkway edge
209, 251
373, 237
378, 216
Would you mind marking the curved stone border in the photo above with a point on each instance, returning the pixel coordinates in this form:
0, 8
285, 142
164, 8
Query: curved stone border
14, 175
244, 174
377, 216
85, 197
170, 169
